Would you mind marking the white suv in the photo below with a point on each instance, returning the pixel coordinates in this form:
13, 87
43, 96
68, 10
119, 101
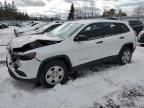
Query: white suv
50, 58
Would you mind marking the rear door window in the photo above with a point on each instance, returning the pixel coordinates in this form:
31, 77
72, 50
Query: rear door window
111, 29
124, 28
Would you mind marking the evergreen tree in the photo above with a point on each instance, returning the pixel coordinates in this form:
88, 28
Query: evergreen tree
71, 14
1, 9
9, 11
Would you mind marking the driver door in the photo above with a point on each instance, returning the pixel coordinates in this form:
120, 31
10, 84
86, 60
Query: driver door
90, 49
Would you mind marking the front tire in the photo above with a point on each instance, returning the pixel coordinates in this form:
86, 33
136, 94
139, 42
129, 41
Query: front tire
125, 56
53, 72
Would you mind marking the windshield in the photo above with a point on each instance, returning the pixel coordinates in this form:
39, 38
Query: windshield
66, 30
43, 28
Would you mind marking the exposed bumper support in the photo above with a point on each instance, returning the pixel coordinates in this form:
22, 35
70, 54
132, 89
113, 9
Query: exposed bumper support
20, 73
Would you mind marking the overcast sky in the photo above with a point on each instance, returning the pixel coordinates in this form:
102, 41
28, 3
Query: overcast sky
51, 7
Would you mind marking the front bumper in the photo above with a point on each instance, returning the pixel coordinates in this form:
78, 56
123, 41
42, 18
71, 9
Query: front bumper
22, 70
17, 74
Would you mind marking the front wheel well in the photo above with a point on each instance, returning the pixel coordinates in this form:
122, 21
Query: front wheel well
63, 58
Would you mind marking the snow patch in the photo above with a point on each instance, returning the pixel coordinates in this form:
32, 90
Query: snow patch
103, 86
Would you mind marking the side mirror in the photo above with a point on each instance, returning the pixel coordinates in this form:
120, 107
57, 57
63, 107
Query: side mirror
81, 38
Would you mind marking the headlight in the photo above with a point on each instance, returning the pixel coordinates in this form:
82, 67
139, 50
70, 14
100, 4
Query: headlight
28, 56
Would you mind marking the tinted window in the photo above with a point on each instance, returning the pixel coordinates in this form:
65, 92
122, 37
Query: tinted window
52, 27
115, 29
124, 28
111, 29
107, 29
93, 31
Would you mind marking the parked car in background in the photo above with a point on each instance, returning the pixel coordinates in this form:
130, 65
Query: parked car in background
3, 25
29, 28
52, 57
136, 25
44, 29
140, 38
26, 24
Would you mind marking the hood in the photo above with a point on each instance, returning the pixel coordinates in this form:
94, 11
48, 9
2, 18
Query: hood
24, 29
19, 42
29, 33
29, 28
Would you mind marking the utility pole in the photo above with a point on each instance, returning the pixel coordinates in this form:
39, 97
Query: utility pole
92, 8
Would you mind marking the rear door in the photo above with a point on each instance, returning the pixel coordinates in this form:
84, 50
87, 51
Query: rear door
115, 37
90, 49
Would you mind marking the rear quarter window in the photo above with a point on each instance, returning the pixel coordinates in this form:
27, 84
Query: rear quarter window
124, 28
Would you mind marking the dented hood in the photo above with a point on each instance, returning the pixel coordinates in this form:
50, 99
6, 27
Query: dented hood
18, 42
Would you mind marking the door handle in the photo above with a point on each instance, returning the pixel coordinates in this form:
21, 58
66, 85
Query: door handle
122, 37
99, 42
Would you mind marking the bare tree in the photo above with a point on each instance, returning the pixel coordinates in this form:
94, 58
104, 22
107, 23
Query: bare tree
113, 13
139, 10
86, 11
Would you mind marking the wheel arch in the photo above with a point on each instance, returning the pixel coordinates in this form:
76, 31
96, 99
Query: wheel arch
129, 45
63, 58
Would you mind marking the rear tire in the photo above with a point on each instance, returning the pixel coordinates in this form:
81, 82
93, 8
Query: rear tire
53, 72
125, 56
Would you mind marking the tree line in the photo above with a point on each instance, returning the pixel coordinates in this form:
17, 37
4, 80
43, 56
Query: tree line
91, 11
9, 11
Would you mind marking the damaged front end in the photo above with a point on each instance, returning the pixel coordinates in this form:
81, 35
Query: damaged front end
17, 53
21, 55
18, 61
34, 45
18, 46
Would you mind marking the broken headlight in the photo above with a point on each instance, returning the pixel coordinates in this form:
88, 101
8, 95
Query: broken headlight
28, 56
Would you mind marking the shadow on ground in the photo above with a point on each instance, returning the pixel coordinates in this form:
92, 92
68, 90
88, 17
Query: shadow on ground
30, 86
